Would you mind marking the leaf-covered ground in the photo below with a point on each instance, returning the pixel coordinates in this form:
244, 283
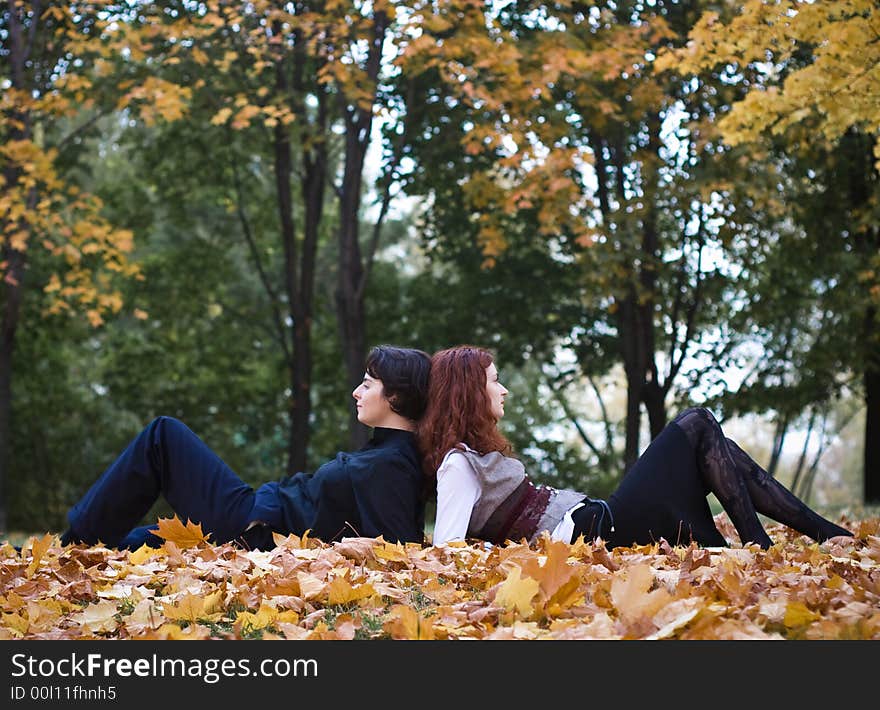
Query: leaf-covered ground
368, 588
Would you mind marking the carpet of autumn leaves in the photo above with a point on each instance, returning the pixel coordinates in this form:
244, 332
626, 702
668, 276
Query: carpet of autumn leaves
362, 588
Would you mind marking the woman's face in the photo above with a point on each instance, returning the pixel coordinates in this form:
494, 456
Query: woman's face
372, 407
496, 391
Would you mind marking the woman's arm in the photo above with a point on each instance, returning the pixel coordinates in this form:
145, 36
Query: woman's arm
457, 493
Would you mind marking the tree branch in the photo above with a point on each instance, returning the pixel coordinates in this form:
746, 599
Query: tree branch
82, 127
255, 255
396, 157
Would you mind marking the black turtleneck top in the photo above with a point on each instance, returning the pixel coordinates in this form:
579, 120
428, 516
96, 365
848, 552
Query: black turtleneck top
374, 491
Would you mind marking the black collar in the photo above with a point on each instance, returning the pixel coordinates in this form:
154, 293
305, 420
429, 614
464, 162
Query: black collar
383, 434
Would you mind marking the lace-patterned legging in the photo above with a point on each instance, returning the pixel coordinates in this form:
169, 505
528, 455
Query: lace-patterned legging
745, 489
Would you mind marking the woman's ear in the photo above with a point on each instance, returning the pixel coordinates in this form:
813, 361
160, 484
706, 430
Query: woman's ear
393, 402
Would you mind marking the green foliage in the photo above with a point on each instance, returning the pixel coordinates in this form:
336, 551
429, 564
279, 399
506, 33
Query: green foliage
765, 254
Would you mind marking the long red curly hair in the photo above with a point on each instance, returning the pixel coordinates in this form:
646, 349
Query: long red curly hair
459, 410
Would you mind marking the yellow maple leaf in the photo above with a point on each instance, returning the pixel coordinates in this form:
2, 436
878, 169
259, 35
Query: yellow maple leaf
565, 597
311, 587
18, 623
339, 591
265, 616
99, 617
288, 616
142, 554
43, 615
517, 592
38, 549
173, 530
193, 607
392, 552
405, 623
630, 595
555, 572
798, 614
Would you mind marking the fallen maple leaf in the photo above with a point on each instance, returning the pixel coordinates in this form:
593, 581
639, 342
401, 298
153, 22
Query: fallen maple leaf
405, 623
184, 536
630, 595
554, 572
38, 549
17, 623
192, 607
142, 554
516, 593
339, 591
797, 614
392, 552
99, 617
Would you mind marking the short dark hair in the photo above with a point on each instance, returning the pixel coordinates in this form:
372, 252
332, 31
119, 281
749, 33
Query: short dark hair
404, 373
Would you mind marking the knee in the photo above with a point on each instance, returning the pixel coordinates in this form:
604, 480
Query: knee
702, 414
164, 426
697, 422
165, 421
699, 411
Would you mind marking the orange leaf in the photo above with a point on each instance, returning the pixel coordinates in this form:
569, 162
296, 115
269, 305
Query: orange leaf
392, 552
405, 623
184, 536
555, 572
38, 549
517, 593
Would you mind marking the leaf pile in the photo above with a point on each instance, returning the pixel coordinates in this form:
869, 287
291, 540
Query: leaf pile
363, 588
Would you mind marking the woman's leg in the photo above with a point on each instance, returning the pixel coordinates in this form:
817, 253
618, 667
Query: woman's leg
775, 501
166, 458
744, 488
720, 474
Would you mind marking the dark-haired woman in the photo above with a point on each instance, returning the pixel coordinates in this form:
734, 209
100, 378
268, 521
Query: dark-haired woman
374, 491
484, 493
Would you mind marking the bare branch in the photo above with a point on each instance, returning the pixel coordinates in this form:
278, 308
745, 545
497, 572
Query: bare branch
82, 127
396, 157
281, 332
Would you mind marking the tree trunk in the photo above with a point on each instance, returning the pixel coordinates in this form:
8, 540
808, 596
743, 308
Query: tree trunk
633, 366
298, 363
299, 359
12, 284
862, 179
352, 274
778, 443
654, 398
802, 459
872, 422
313, 186
10, 296
653, 391
349, 298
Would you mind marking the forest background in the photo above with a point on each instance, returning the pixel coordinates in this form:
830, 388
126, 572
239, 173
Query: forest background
211, 210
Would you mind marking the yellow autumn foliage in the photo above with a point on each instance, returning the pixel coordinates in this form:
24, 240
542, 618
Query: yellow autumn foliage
367, 588
837, 88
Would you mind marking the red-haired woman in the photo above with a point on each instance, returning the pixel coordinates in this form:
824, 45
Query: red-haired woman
484, 493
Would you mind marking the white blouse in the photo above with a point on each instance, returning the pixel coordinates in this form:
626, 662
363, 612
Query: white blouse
459, 490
